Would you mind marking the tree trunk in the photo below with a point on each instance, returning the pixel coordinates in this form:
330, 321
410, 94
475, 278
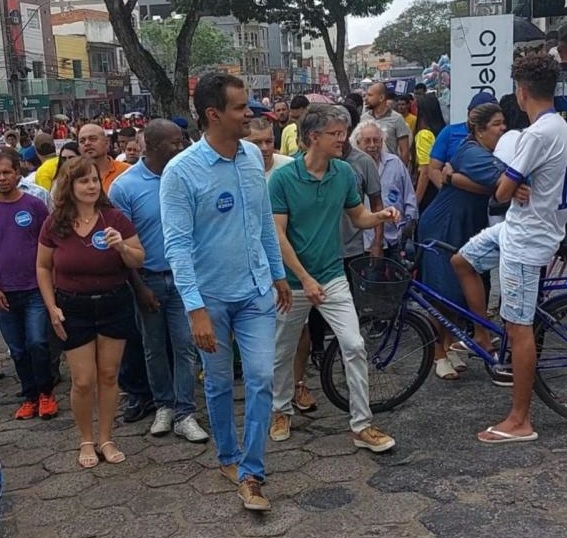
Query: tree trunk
172, 98
337, 57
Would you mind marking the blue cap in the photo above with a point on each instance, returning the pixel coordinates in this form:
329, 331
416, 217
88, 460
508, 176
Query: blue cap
482, 98
29, 154
182, 123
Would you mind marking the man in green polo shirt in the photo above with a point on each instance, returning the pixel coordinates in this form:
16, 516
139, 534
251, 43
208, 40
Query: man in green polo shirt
308, 198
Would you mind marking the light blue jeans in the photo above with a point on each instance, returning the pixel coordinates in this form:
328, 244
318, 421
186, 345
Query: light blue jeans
178, 391
253, 324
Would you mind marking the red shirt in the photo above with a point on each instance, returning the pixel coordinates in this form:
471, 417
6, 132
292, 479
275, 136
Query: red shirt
85, 264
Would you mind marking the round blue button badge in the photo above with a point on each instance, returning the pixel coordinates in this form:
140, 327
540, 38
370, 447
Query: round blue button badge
23, 219
99, 241
225, 202
393, 196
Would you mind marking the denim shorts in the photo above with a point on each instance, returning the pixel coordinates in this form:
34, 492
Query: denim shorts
519, 283
109, 313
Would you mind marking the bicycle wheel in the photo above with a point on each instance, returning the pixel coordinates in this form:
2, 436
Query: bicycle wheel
551, 346
400, 356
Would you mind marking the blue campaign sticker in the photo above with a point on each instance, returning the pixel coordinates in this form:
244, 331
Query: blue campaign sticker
23, 218
99, 241
393, 196
225, 202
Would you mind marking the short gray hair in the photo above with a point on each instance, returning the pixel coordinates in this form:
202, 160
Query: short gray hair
316, 119
355, 136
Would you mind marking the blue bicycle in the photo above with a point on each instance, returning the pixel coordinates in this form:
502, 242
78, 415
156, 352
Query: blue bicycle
400, 339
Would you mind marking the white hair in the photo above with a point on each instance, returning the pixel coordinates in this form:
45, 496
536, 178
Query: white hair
355, 136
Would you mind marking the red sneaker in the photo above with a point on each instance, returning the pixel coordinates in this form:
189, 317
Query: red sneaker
26, 411
48, 407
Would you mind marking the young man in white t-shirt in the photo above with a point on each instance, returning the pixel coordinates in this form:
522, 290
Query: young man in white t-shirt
528, 238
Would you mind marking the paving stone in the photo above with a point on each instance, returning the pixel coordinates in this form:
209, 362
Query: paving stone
163, 440
59, 425
326, 498
132, 445
181, 451
290, 484
52, 440
338, 524
221, 507
132, 429
339, 469
274, 523
150, 526
211, 481
298, 439
380, 509
107, 522
23, 458
286, 461
62, 462
49, 513
164, 500
223, 530
111, 492
65, 485
10, 437
329, 425
23, 477
156, 476
332, 445
132, 465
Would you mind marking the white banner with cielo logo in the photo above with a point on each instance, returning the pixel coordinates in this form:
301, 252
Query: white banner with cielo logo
482, 50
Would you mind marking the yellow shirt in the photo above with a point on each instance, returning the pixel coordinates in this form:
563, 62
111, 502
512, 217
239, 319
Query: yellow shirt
289, 140
424, 141
411, 122
46, 173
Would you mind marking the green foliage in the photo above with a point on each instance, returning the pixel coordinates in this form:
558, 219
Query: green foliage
210, 46
422, 33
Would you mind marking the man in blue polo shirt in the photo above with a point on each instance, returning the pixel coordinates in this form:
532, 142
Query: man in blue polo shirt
136, 193
450, 138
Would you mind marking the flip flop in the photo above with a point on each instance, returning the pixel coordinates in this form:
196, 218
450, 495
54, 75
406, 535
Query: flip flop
444, 370
88, 462
507, 437
117, 457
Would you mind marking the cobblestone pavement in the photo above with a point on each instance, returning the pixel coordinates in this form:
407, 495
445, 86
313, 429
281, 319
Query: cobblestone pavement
437, 482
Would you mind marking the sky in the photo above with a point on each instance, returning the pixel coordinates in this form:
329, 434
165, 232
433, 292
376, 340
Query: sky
363, 31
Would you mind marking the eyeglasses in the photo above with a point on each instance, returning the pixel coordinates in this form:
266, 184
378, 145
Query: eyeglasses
336, 134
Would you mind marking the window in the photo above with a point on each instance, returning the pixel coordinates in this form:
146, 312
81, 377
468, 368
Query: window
307, 45
77, 69
33, 19
102, 62
37, 69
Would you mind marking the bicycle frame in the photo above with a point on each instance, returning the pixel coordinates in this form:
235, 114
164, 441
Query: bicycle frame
422, 295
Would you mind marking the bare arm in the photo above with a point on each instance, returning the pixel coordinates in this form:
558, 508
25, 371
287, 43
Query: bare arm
44, 271
422, 182
436, 173
364, 219
506, 188
403, 149
376, 205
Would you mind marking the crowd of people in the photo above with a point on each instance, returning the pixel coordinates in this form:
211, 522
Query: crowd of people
141, 260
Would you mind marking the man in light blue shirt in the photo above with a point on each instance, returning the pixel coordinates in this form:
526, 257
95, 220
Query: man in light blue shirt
222, 246
161, 311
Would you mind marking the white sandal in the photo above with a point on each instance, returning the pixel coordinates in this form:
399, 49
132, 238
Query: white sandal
457, 361
444, 370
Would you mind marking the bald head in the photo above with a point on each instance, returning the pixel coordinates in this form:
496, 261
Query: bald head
164, 140
93, 141
159, 129
376, 97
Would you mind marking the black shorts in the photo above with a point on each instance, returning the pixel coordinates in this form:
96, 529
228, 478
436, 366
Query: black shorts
109, 314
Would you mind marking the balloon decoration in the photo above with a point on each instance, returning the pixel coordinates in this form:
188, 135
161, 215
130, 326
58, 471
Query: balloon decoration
438, 75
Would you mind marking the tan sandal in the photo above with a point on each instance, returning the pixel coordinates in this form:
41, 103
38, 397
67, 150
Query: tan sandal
88, 462
444, 370
457, 362
117, 457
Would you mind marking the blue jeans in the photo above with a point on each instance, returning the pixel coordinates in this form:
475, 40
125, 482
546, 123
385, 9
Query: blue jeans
178, 391
24, 329
253, 324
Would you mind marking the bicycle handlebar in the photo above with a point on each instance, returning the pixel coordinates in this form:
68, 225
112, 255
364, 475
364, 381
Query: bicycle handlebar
431, 245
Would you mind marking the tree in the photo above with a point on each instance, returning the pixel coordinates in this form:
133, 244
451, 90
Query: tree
420, 34
209, 47
172, 95
315, 18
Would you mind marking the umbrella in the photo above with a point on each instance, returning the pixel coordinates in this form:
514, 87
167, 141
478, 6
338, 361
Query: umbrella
318, 98
60, 117
257, 108
525, 31
132, 115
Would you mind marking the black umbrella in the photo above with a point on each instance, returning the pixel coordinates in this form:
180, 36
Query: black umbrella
525, 31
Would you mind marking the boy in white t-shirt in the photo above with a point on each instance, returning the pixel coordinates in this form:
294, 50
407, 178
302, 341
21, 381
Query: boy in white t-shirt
528, 238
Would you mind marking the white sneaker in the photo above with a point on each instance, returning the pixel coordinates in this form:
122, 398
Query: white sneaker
190, 429
162, 422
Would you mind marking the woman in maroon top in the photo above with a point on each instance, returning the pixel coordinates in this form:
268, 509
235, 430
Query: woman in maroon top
86, 249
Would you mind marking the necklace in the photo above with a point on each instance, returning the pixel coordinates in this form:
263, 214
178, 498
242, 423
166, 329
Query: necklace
80, 220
